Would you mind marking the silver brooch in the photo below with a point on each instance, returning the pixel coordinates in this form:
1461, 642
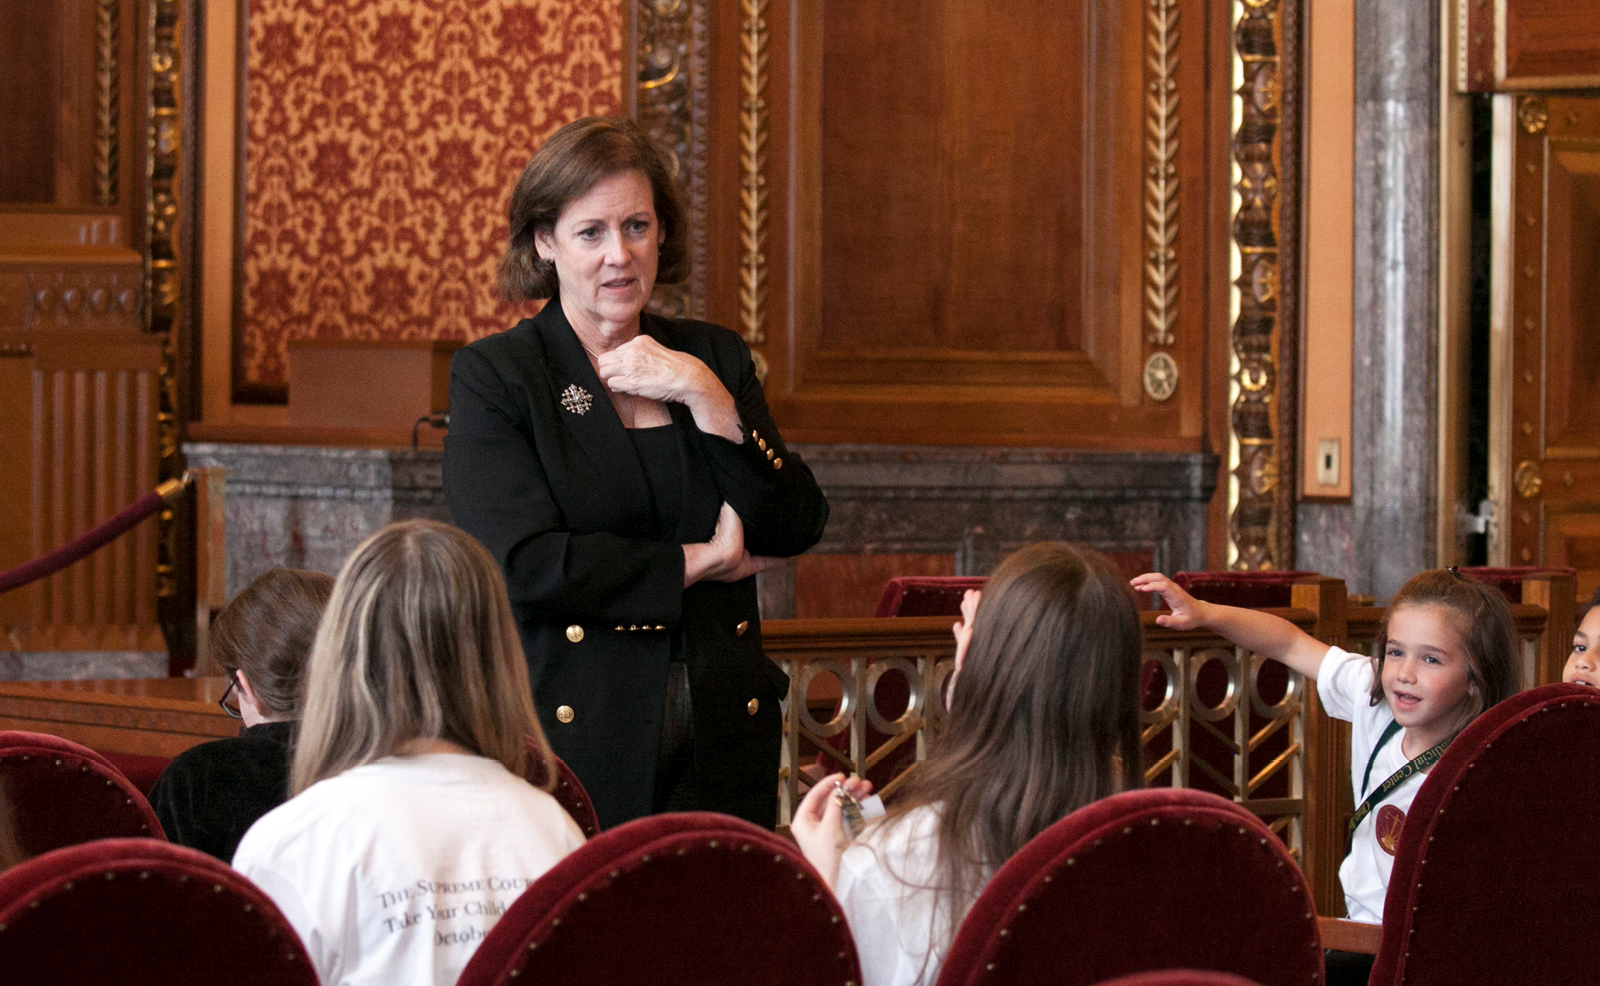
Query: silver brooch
576, 399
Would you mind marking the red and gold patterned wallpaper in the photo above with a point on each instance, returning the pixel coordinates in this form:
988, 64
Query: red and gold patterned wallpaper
381, 141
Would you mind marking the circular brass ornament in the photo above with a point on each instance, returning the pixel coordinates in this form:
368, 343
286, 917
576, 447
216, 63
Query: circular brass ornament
565, 713
1528, 479
575, 633
1533, 114
1160, 376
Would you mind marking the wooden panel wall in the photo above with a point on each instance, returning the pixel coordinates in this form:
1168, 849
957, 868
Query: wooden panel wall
1528, 44
969, 222
85, 407
1551, 467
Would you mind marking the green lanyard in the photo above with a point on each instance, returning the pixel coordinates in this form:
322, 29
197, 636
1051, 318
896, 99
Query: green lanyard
1412, 768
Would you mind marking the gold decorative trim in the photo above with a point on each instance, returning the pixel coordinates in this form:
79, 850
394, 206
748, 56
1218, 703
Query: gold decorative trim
1255, 419
1529, 479
1533, 114
752, 173
672, 107
163, 249
1161, 174
107, 95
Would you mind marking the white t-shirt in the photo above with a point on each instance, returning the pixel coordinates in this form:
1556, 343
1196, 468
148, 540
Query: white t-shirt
1344, 683
392, 872
881, 887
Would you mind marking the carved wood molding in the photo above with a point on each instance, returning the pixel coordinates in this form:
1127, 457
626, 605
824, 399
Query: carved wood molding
1161, 173
753, 129
672, 107
163, 248
107, 95
1260, 522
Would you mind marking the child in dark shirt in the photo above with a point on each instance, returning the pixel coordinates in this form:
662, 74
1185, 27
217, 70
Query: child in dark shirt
212, 793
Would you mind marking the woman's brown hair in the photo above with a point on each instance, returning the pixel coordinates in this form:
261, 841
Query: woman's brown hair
575, 159
419, 644
1488, 633
267, 631
1044, 716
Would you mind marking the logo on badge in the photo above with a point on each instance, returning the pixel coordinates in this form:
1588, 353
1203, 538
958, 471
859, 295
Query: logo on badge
1387, 827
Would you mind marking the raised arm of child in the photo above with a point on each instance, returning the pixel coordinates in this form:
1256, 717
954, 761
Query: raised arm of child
1262, 633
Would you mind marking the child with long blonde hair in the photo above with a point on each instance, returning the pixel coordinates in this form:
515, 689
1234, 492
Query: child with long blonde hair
410, 829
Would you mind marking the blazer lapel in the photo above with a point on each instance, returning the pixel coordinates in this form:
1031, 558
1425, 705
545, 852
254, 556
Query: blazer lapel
597, 430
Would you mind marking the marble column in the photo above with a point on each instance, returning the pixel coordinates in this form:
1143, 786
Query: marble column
1386, 533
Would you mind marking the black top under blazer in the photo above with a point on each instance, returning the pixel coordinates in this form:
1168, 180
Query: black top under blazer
560, 500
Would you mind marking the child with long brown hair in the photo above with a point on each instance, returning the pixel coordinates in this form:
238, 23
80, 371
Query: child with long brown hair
1043, 720
411, 829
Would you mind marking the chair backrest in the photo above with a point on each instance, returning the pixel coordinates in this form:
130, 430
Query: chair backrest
1180, 977
141, 911
140, 770
1505, 825
1508, 579
1252, 590
688, 898
62, 794
568, 792
1162, 878
926, 595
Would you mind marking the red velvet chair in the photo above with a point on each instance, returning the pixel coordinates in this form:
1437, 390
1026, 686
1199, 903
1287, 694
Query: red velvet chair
568, 792
1252, 590
688, 898
926, 595
141, 771
1509, 579
1179, 977
139, 912
62, 794
1506, 826
1155, 879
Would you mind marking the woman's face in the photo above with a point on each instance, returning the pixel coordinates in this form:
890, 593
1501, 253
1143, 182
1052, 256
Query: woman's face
605, 246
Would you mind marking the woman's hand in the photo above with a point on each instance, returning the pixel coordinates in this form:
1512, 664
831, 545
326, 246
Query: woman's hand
645, 368
1188, 613
963, 630
723, 558
817, 825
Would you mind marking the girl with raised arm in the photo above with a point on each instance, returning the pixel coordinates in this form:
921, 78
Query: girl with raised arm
1445, 652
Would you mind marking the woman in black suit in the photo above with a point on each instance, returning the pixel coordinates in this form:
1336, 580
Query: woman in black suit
624, 471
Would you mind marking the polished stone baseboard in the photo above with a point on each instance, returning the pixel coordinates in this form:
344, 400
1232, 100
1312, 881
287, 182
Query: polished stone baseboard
306, 507
18, 665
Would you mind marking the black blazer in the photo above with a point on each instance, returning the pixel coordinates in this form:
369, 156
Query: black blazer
557, 494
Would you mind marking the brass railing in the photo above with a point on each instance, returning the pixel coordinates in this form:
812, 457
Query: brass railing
853, 657
1221, 719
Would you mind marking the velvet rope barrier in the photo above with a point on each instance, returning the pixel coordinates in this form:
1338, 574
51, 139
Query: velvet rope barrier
92, 539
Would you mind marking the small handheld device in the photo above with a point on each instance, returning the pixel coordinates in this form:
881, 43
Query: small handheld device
854, 814
850, 811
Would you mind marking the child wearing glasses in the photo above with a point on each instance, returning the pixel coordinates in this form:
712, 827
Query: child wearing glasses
212, 793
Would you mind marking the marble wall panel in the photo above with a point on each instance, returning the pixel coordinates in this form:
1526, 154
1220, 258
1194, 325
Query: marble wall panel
81, 665
1386, 533
309, 507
